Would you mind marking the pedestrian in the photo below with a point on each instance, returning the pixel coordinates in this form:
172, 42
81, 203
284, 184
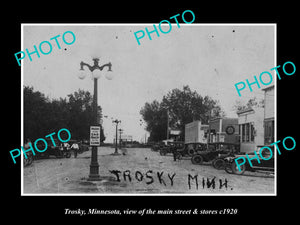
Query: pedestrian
29, 159
61, 147
66, 145
174, 151
27, 143
75, 148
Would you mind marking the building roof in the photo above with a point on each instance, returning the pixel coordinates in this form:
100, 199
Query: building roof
224, 118
267, 88
249, 109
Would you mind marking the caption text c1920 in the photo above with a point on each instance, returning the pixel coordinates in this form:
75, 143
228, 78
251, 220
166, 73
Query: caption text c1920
149, 211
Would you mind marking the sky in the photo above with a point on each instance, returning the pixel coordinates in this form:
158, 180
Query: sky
210, 58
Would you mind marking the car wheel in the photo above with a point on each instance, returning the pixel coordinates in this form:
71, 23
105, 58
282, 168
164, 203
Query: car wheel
219, 164
197, 159
228, 168
236, 170
191, 152
162, 152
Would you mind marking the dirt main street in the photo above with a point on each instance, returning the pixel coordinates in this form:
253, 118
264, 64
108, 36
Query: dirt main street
140, 171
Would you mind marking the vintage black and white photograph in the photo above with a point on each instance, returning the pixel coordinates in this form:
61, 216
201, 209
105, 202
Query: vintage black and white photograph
148, 109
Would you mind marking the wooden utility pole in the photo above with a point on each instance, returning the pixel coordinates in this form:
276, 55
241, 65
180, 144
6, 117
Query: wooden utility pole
116, 146
168, 124
209, 118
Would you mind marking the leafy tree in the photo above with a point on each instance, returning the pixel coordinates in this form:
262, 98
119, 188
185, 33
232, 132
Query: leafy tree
35, 113
80, 114
252, 102
182, 107
156, 118
42, 116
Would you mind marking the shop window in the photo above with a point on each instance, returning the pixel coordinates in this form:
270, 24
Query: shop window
269, 132
247, 132
252, 132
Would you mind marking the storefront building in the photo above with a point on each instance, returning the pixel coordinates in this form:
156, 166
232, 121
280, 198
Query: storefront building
224, 130
269, 115
251, 128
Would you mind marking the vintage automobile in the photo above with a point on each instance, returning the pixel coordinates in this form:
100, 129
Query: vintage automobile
84, 146
157, 146
59, 151
263, 165
215, 150
28, 160
164, 149
29, 155
191, 149
204, 156
229, 148
171, 147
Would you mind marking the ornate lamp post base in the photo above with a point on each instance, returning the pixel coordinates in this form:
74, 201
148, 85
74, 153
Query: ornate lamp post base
94, 177
94, 173
94, 166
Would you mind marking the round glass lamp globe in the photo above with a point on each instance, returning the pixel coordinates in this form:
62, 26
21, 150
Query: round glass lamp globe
109, 76
96, 73
81, 74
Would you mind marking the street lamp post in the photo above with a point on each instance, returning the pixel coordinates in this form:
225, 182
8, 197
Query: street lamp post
120, 137
95, 70
116, 146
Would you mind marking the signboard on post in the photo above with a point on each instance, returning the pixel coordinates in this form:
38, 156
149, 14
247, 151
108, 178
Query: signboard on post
95, 135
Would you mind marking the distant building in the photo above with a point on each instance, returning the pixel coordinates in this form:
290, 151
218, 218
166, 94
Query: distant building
251, 128
269, 115
124, 139
195, 132
175, 134
223, 129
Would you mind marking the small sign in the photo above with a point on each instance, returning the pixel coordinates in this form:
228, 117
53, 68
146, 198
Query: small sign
175, 132
95, 135
230, 130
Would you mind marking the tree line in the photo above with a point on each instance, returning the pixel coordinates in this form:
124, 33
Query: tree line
43, 115
178, 107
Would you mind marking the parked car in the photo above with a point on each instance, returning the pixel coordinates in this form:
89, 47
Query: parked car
228, 149
264, 165
170, 147
214, 150
29, 155
28, 161
84, 147
60, 150
157, 146
226, 146
204, 156
193, 148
